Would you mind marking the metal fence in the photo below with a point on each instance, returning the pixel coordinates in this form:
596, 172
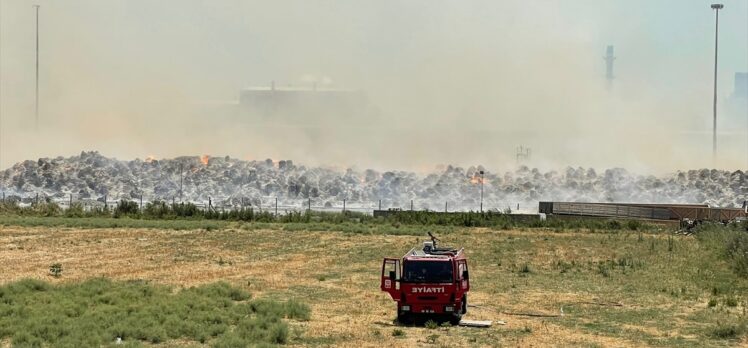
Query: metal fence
272, 204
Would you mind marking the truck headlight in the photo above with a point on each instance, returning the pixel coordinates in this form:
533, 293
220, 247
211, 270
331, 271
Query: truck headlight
405, 308
449, 309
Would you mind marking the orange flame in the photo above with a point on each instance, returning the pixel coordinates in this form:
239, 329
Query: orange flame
204, 159
476, 179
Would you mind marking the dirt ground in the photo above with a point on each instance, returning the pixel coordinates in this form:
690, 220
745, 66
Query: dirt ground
337, 274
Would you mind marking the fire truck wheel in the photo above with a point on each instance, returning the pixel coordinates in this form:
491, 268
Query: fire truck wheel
464, 304
455, 319
403, 318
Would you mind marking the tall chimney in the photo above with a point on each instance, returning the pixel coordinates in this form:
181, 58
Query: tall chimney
609, 58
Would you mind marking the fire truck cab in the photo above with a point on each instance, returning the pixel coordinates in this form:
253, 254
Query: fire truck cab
428, 281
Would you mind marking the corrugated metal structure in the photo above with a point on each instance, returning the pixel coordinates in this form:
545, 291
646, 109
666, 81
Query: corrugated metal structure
678, 212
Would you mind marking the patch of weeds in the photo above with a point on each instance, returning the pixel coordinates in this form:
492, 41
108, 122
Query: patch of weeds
527, 329
720, 289
431, 325
603, 269
55, 270
614, 225
297, 310
398, 333
222, 262
99, 311
525, 269
431, 339
563, 266
731, 302
634, 225
729, 330
712, 303
736, 250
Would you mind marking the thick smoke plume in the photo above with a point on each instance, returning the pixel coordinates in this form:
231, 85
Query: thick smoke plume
447, 82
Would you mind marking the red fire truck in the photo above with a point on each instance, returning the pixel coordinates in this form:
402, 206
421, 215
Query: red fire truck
428, 281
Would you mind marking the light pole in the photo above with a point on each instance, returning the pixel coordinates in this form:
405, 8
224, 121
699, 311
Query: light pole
716, 8
481, 191
36, 96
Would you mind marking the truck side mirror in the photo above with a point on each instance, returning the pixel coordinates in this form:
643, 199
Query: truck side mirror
465, 274
392, 275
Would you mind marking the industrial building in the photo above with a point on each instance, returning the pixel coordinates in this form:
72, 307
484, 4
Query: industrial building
293, 103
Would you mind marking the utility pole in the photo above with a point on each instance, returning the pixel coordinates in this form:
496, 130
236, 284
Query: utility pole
716, 8
36, 102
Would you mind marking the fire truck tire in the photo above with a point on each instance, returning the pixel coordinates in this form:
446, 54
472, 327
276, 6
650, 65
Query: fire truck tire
464, 305
403, 318
457, 316
455, 319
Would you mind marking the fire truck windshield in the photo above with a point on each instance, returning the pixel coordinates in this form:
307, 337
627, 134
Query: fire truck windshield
427, 272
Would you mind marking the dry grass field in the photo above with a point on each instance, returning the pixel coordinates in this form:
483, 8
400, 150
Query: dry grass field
592, 288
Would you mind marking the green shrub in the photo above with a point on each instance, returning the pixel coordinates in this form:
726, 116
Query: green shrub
230, 341
75, 211
614, 224
731, 302
737, 251
731, 243
278, 333
603, 269
9, 206
398, 333
431, 325
729, 330
297, 310
55, 270
52, 209
126, 208
633, 225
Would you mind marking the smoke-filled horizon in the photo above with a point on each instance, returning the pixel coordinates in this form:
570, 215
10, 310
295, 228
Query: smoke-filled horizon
444, 82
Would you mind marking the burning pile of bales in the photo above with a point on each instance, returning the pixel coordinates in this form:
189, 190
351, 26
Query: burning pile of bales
233, 181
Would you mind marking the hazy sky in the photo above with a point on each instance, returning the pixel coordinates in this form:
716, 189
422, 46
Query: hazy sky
460, 82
